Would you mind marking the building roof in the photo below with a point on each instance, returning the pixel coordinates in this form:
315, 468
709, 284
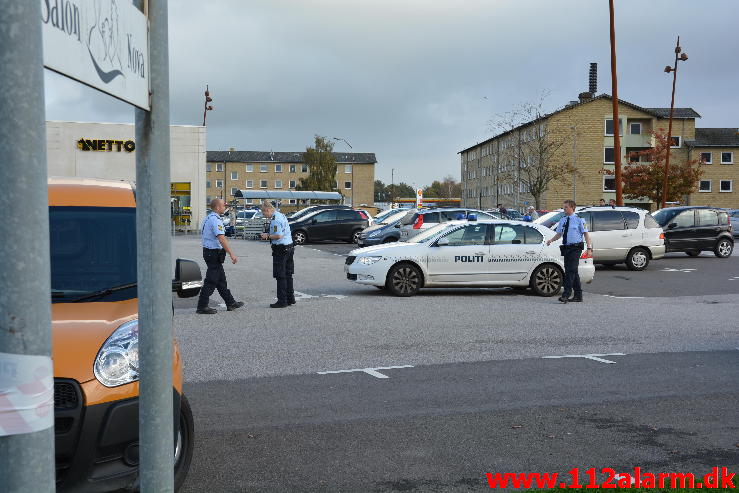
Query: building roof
287, 194
678, 113
716, 137
285, 157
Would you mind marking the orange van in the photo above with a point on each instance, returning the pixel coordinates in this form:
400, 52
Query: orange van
92, 225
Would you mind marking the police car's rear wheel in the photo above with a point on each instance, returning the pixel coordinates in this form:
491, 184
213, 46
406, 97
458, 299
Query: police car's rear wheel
185, 444
299, 238
356, 235
546, 280
404, 280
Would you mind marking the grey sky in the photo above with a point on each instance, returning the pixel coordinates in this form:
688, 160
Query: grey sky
415, 81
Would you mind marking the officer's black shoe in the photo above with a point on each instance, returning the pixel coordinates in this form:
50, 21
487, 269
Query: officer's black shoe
278, 305
206, 311
575, 299
236, 305
291, 302
563, 299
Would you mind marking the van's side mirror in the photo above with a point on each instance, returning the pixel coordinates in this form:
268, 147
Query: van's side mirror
672, 226
443, 242
187, 279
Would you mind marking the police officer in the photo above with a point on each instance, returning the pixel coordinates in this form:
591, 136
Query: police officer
215, 247
282, 254
572, 229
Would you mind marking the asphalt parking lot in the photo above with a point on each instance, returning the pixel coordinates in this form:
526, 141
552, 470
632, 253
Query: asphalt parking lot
644, 373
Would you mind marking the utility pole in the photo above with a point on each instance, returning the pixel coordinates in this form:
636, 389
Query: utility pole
392, 187
574, 162
616, 120
669, 69
26, 379
208, 107
352, 165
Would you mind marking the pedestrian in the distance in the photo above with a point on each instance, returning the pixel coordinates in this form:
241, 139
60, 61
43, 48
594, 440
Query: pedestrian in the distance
602, 203
280, 237
572, 229
502, 209
612, 203
532, 212
215, 248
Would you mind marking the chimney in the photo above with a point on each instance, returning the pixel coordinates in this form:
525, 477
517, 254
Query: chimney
593, 79
585, 96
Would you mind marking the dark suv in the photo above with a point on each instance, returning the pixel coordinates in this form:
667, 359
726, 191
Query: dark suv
313, 208
694, 229
329, 224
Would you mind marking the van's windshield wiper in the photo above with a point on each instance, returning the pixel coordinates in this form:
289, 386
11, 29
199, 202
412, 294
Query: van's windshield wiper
105, 292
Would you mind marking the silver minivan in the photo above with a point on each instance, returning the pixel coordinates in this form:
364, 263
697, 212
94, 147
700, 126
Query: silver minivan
619, 234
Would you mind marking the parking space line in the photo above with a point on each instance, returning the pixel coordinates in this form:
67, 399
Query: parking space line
594, 357
624, 297
369, 371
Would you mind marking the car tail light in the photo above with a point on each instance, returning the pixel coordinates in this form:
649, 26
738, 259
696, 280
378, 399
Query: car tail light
586, 254
361, 213
661, 236
419, 222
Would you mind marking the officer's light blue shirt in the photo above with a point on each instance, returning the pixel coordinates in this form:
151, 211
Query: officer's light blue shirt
279, 226
575, 231
212, 228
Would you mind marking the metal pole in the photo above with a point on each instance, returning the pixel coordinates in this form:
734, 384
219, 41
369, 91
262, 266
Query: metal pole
392, 187
669, 125
574, 163
154, 267
26, 447
616, 121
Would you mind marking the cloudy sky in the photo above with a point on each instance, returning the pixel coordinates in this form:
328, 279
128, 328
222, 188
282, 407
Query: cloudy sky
416, 81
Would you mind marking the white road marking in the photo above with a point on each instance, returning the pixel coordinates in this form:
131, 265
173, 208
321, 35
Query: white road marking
303, 296
624, 297
594, 357
369, 371
735, 278
337, 296
618, 477
667, 269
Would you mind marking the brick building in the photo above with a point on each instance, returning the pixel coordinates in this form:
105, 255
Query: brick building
493, 171
228, 171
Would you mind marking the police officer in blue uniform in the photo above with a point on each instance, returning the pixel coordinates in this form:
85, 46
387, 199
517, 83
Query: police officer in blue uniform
282, 254
572, 229
215, 247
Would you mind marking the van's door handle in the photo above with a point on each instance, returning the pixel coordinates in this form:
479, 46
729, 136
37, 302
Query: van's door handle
626, 235
531, 252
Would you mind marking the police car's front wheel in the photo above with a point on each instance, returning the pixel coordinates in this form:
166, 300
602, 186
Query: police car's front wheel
299, 238
546, 280
404, 279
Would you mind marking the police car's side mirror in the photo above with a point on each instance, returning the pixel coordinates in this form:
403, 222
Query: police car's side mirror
672, 226
187, 279
442, 242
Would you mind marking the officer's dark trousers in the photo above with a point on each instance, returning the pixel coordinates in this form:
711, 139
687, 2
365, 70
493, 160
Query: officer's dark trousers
282, 270
215, 278
572, 276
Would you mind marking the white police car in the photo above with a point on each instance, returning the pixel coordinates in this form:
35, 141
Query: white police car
490, 253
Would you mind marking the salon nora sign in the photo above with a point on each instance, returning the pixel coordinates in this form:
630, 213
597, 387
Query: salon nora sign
101, 43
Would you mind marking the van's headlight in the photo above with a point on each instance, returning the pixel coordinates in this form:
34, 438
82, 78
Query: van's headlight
369, 260
117, 362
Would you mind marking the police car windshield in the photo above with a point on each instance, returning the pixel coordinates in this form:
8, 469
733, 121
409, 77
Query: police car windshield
92, 249
663, 216
391, 218
429, 233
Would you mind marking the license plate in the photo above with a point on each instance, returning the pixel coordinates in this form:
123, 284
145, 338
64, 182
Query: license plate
351, 277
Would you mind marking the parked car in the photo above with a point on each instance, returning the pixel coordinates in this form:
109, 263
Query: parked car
244, 216
734, 218
621, 235
467, 254
383, 231
367, 215
695, 229
382, 215
416, 221
95, 336
329, 225
313, 208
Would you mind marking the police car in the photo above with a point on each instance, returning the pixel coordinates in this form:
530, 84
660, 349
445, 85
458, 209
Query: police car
489, 253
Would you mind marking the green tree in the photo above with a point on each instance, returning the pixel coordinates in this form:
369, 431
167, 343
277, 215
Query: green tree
401, 191
447, 188
381, 192
321, 167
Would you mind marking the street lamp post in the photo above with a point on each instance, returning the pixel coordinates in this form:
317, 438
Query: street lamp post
668, 69
616, 119
207, 107
350, 147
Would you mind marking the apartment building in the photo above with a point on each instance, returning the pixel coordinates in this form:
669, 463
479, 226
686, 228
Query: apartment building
228, 171
494, 171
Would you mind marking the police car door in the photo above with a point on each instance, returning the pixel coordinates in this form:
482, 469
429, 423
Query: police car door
460, 256
515, 250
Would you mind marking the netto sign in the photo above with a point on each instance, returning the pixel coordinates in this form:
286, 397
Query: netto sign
101, 43
106, 145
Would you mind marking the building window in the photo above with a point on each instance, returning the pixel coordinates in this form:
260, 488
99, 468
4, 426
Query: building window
208, 167
278, 168
727, 158
262, 168
635, 128
347, 168
292, 183
207, 184
348, 185
726, 186
249, 183
263, 184
304, 168
609, 184
704, 186
233, 191
706, 157
676, 139
249, 168
278, 183
234, 175
219, 167
293, 201
608, 155
219, 183
609, 127
292, 168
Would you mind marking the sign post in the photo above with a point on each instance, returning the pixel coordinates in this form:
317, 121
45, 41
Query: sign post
419, 198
